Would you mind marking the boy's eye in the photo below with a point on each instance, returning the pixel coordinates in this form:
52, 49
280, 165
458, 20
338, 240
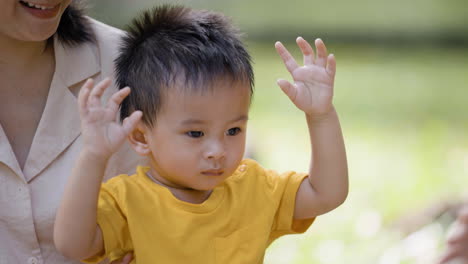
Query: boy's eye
233, 131
195, 134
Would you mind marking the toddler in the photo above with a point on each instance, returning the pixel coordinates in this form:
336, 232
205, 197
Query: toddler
198, 201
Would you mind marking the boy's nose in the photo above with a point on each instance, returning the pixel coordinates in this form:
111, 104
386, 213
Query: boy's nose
216, 150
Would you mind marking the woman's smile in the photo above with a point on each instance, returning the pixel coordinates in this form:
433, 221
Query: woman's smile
43, 11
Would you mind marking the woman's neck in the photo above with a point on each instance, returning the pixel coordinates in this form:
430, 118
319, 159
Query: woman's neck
18, 54
26, 71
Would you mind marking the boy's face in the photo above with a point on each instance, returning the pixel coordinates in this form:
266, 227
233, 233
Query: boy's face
198, 139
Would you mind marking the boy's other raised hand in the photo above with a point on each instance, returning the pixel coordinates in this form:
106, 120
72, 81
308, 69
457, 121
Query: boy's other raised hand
102, 133
312, 90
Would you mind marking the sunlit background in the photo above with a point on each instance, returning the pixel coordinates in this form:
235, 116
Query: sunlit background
402, 96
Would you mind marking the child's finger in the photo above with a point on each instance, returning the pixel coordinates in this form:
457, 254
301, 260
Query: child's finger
288, 60
452, 254
97, 91
83, 96
321, 53
127, 258
307, 51
117, 98
458, 233
131, 121
288, 88
331, 65
463, 215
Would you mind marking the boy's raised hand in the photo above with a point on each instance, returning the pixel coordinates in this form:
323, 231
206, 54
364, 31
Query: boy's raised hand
312, 91
102, 133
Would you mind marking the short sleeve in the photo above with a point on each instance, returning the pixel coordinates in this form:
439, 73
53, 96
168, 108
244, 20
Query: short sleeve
284, 188
113, 223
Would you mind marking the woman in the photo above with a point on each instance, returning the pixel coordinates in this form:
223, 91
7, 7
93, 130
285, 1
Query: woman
48, 48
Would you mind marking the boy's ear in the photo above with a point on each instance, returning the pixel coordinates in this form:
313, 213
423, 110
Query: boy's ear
138, 141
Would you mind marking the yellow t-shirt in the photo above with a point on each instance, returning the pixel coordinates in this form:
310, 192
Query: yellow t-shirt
234, 225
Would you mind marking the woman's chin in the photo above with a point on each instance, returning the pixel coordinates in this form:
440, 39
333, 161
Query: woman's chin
40, 33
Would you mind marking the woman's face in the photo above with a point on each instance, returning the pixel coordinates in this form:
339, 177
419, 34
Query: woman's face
31, 20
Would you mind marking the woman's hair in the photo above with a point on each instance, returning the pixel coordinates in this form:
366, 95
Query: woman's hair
74, 27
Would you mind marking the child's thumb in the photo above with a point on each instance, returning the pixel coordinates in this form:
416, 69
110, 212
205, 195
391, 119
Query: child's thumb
288, 88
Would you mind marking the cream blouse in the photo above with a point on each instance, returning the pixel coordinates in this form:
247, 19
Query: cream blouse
30, 197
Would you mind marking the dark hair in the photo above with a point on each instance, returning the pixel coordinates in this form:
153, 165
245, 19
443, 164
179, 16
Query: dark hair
74, 28
174, 44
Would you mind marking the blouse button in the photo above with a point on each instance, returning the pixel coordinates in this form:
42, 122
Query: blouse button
33, 260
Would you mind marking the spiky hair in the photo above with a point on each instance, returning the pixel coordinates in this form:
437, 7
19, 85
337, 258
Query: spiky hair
171, 45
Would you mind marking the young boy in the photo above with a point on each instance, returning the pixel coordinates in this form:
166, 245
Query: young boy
198, 201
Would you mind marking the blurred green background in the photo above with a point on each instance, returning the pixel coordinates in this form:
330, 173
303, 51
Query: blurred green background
401, 93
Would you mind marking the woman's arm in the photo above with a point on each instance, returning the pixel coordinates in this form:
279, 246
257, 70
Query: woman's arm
457, 242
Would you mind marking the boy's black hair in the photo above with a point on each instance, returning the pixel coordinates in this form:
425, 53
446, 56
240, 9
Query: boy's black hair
74, 27
171, 45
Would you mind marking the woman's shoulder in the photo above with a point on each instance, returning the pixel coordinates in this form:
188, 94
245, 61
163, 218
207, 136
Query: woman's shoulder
105, 32
106, 44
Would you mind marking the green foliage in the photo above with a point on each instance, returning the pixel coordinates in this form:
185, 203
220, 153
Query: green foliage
404, 114
409, 19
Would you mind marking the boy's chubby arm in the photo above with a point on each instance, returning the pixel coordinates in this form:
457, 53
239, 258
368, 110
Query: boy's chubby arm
312, 92
76, 232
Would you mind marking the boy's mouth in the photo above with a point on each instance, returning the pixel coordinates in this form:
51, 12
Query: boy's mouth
213, 172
